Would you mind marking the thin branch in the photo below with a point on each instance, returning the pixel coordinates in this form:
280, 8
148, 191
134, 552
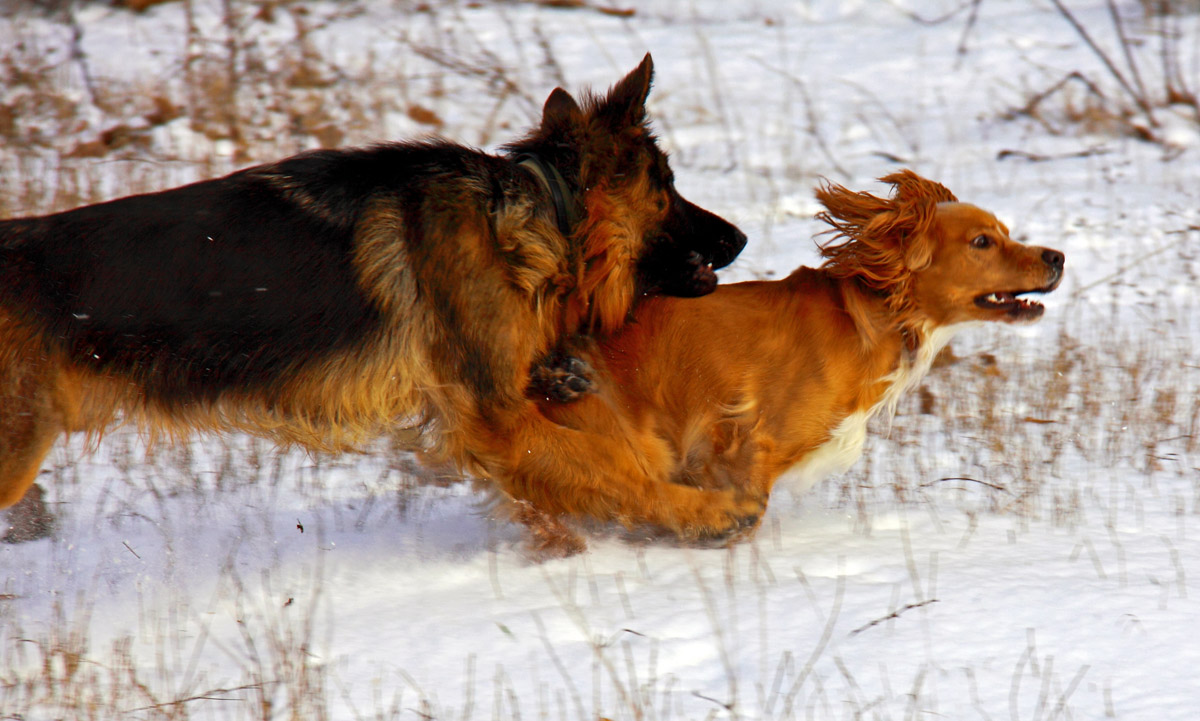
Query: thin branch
970, 24
927, 484
949, 15
1127, 49
206, 696
819, 649
1030, 108
813, 128
1133, 264
1042, 158
1104, 58
80, 57
893, 614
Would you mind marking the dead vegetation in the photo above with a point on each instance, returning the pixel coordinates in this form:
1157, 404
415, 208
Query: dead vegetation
1143, 83
998, 430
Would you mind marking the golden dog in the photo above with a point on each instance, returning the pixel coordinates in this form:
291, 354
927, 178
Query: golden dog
738, 387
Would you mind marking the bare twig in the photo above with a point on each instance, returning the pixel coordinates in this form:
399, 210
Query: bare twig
722, 648
1040, 158
814, 128
79, 56
1030, 108
995, 486
212, 695
1062, 699
572, 689
970, 24
1133, 264
819, 649
1127, 50
892, 615
1139, 99
938, 20
1180, 576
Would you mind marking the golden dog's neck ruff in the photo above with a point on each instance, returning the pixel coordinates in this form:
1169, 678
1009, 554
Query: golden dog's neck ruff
846, 440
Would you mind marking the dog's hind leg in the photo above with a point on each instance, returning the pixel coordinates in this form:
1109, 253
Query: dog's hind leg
37, 405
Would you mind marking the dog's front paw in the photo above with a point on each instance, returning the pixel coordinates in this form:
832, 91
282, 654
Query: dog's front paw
741, 519
561, 378
727, 516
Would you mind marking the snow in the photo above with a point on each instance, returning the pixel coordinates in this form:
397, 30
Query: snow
1058, 581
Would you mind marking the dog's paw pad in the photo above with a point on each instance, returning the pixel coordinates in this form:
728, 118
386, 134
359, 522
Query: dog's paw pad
562, 378
740, 521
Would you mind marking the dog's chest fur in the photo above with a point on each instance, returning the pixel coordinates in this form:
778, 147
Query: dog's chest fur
845, 444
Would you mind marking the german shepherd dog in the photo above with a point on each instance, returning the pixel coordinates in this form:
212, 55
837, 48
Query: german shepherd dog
736, 388
408, 288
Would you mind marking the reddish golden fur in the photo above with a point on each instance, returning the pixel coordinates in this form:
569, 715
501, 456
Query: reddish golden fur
733, 389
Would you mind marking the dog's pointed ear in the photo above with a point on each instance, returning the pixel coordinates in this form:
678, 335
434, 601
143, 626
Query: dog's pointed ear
625, 104
560, 109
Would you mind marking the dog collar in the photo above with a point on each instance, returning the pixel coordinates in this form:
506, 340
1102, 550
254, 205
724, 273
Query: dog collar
566, 212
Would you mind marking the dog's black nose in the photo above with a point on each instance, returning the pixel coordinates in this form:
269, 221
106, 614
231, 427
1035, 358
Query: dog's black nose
727, 241
1053, 258
731, 247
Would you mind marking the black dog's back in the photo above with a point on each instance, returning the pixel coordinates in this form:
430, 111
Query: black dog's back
212, 285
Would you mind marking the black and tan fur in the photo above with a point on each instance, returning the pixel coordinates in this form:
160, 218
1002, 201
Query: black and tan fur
336, 295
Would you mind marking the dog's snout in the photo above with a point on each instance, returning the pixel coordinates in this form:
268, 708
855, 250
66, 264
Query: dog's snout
1054, 259
717, 239
729, 241
733, 246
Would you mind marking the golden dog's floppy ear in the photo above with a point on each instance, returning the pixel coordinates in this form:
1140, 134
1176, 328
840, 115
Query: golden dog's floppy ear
916, 200
882, 239
908, 188
882, 242
625, 104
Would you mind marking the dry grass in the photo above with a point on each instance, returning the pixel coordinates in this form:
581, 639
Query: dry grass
1013, 425
274, 672
1017, 431
250, 84
1144, 75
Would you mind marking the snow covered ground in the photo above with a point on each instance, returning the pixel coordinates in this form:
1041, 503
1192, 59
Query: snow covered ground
1029, 550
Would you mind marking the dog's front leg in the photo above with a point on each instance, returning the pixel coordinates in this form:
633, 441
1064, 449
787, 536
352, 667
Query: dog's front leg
561, 377
607, 477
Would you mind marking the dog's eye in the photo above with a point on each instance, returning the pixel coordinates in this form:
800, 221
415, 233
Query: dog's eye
981, 241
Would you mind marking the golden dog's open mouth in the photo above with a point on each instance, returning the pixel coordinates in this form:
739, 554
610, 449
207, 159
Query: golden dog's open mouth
1010, 304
